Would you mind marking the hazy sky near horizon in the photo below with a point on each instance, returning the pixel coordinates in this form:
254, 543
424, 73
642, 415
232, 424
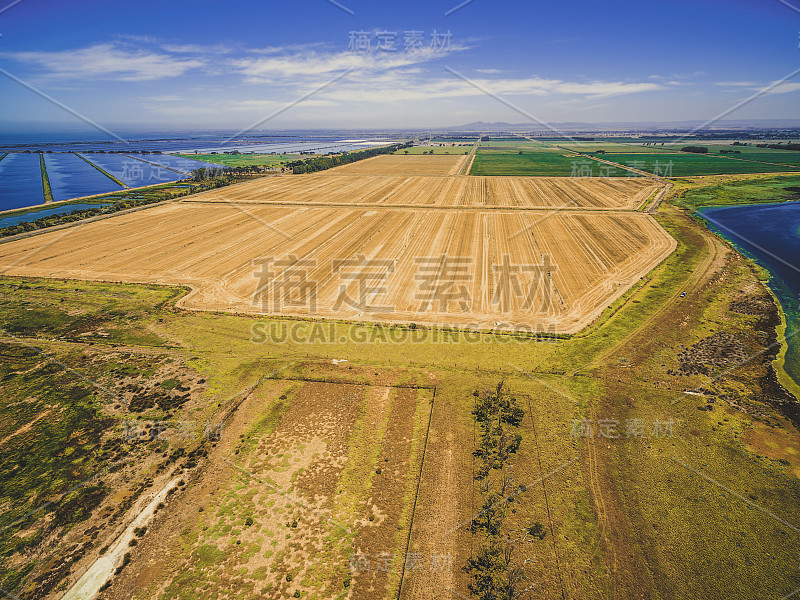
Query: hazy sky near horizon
200, 64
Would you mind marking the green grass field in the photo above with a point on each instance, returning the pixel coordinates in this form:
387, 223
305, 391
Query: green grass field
243, 160
739, 191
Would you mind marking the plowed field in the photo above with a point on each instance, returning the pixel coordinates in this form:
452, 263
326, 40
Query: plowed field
395, 164
535, 270
479, 192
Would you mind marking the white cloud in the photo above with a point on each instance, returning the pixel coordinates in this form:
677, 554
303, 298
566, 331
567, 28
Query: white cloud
274, 104
781, 88
197, 49
736, 83
106, 61
399, 87
299, 66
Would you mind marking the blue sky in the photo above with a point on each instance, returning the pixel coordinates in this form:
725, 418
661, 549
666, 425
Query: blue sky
200, 64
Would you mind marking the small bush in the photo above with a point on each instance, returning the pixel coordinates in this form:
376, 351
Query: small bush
536, 529
125, 560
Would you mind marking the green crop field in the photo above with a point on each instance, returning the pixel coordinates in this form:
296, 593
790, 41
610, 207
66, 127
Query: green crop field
436, 150
614, 147
542, 162
513, 144
243, 160
688, 165
765, 155
454, 140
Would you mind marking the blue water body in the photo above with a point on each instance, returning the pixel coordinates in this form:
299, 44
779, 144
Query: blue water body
285, 141
71, 177
20, 181
46, 212
132, 171
184, 165
770, 234
317, 147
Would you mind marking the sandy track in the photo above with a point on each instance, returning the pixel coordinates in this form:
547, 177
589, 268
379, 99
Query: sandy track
564, 267
103, 568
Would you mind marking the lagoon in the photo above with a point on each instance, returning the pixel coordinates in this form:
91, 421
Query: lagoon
770, 234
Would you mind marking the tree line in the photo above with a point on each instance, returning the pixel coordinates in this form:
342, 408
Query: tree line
779, 146
312, 165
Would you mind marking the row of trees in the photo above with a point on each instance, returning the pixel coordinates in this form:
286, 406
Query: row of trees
494, 573
86, 213
779, 146
223, 176
312, 165
202, 180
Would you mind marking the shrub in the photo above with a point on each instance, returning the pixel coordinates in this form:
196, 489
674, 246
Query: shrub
536, 529
695, 149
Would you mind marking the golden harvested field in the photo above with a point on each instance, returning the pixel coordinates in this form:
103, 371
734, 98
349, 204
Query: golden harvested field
532, 270
480, 192
397, 164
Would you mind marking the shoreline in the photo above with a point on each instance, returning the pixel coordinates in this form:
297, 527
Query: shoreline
785, 379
